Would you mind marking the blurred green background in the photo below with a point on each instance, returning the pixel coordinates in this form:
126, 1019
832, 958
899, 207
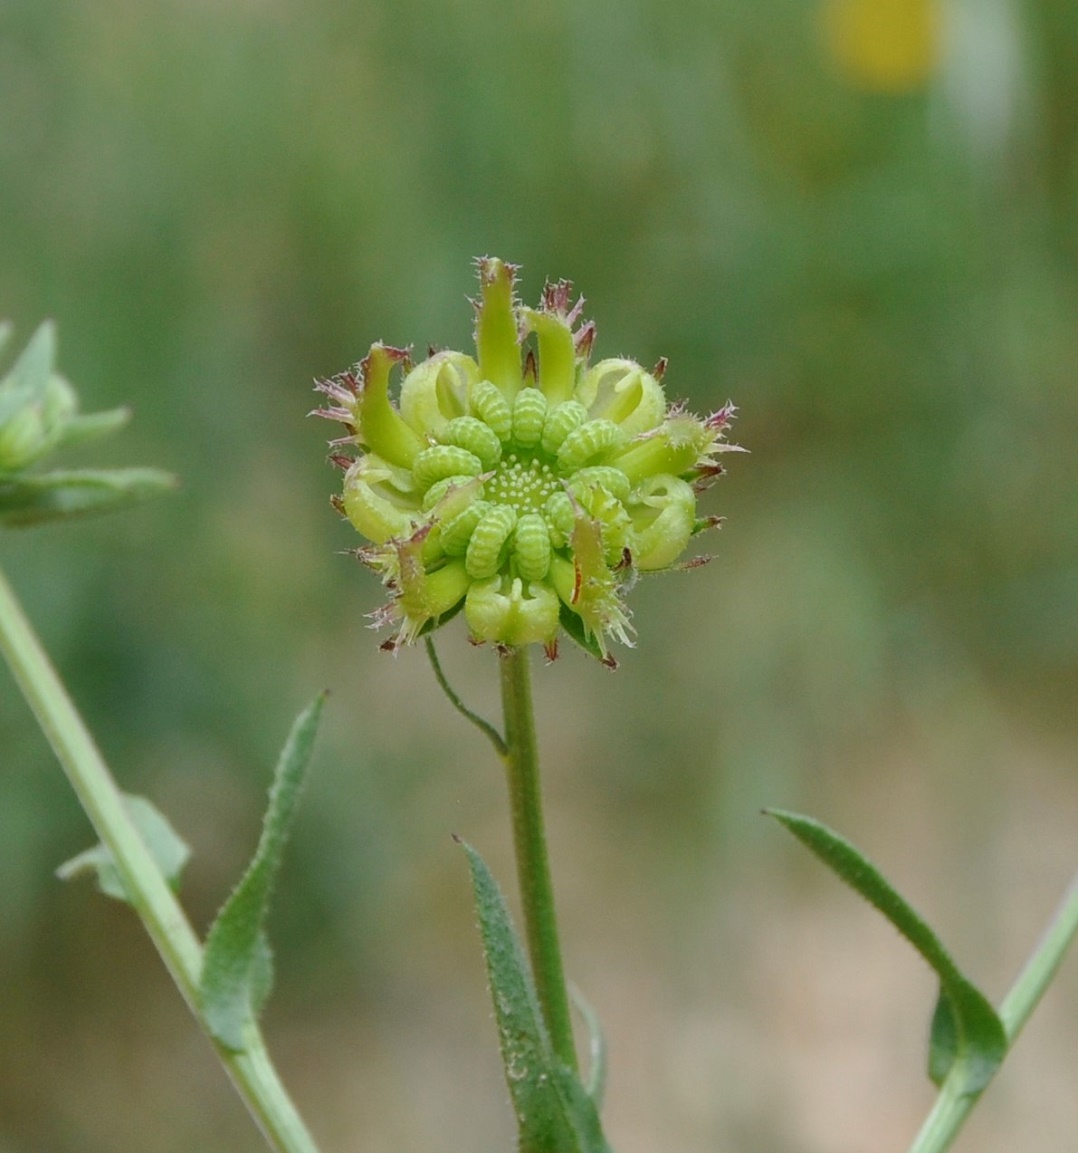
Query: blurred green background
857, 220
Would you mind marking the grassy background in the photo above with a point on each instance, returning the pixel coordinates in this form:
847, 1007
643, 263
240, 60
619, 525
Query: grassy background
866, 234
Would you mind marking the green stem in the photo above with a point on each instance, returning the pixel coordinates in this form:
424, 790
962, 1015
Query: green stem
533, 868
952, 1106
1041, 966
251, 1071
942, 1124
484, 726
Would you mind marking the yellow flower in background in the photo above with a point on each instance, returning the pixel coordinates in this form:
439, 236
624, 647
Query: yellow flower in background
884, 45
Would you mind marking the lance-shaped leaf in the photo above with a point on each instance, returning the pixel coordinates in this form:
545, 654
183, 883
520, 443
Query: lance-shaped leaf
92, 425
166, 847
554, 1112
236, 967
33, 499
968, 1038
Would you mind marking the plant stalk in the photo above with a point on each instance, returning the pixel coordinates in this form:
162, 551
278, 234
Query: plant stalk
251, 1071
521, 761
952, 1106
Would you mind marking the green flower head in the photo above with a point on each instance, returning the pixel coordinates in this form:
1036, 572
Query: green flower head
523, 485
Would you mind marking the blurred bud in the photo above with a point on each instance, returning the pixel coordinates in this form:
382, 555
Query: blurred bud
36, 405
38, 415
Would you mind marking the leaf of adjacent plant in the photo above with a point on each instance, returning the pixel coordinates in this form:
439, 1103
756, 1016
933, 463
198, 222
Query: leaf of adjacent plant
597, 1051
236, 967
554, 1112
91, 425
34, 499
979, 1040
5, 333
166, 847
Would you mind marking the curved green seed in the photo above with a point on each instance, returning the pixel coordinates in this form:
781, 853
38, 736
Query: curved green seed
458, 532
492, 408
560, 421
529, 415
560, 517
436, 390
532, 546
374, 508
440, 487
483, 557
504, 611
601, 475
662, 522
621, 391
590, 441
478, 438
442, 461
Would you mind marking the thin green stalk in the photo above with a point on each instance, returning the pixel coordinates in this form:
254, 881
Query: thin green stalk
1041, 966
943, 1122
952, 1106
533, 868
251, 1071
484, 726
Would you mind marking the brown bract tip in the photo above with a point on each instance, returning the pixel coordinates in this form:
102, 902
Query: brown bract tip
394, 355
706, 477
584, 339
722, 417
556, 297
341, 388
341, 415
487, 267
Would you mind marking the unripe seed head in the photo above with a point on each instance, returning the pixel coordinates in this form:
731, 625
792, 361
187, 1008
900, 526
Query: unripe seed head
528, 489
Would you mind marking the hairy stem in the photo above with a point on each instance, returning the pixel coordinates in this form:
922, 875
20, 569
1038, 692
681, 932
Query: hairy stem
952, 1106
521, 760
251, 1071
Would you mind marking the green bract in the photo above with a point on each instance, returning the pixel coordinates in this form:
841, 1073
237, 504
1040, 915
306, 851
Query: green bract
522, 484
